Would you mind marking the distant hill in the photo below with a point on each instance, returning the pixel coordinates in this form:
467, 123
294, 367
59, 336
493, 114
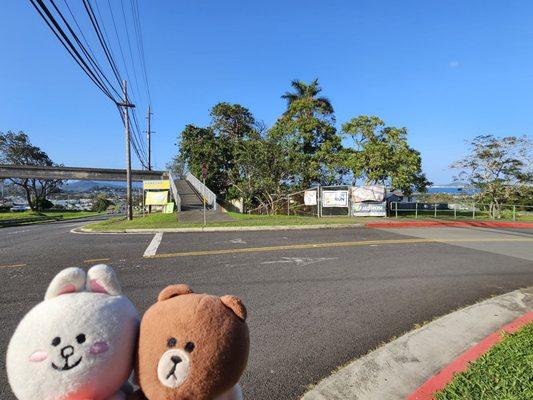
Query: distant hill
451, 185
84, 186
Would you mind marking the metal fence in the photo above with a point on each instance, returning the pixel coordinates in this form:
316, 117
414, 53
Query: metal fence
289, 204
474, 211
294, 204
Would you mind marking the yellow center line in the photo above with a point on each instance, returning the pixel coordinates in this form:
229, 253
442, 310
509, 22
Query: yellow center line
96, 260
332, 244
12, 266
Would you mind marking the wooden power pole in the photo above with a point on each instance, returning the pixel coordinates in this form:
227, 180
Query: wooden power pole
149, 139
125, 105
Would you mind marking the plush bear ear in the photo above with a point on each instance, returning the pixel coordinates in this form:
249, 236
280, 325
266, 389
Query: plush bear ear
69, 280
235, 304
173, 291
102, 279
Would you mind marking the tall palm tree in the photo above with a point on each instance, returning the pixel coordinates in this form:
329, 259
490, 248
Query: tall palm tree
308, 91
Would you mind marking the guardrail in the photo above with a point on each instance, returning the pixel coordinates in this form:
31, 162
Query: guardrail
210, 197
174, 190
461, 210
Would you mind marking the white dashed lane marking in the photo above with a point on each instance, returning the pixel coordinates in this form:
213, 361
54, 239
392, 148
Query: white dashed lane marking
151, 250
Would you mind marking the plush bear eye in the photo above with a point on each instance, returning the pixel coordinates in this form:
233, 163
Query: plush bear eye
171, 342
80, 338
189, 347
56, 341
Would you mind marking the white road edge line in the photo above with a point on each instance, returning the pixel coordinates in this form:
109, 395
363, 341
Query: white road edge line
151, 250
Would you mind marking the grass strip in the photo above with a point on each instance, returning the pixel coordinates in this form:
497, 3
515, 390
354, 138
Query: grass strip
505, 372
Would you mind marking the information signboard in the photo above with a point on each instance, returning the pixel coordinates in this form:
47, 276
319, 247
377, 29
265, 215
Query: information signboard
368, 209
310, 198
335, 198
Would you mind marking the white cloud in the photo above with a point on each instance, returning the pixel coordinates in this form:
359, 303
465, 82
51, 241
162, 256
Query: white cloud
454, 64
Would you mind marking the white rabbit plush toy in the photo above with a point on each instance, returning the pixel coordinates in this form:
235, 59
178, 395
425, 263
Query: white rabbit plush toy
77, 344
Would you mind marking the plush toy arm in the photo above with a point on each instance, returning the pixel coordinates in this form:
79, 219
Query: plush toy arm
235, 393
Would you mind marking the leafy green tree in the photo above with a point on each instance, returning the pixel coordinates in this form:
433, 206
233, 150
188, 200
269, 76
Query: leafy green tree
307, 133
308, 93
227, 147
16, 148
381, 155
496, 167
101, 203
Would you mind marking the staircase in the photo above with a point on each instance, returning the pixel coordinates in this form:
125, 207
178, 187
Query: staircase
190, 198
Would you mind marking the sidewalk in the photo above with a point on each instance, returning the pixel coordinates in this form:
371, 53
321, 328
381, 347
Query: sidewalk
462, 224
396, 370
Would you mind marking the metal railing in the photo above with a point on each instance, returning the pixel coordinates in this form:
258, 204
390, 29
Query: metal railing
174, 191
210, 197
472, 211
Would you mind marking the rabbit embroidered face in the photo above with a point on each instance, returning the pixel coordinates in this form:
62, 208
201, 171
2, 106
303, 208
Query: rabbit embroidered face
78, 342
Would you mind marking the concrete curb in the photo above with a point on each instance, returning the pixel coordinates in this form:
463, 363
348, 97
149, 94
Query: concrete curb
221, 229
397, 369
439, 381
460, 224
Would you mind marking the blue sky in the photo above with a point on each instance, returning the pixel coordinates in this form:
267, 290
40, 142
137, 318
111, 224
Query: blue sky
446, 70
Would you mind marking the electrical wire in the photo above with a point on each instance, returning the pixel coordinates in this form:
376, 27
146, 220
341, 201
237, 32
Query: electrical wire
85, 57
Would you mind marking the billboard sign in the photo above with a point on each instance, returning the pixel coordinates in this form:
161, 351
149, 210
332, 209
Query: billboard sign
310, 198
370, 209
156, 185
335, 198
157, 198
368, 193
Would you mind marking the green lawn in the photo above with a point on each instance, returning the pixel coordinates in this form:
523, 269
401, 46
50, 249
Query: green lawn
31, 217
504, 373
169, 221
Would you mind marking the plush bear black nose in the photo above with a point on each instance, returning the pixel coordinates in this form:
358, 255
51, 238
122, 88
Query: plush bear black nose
67, 351
175, 359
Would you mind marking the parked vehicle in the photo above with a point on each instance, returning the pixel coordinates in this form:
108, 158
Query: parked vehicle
19, 208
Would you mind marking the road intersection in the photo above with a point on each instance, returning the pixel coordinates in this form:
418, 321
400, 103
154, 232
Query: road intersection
317, 299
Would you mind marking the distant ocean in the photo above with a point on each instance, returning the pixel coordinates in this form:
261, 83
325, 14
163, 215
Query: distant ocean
450, 190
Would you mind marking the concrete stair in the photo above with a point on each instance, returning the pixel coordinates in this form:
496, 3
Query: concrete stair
190, 199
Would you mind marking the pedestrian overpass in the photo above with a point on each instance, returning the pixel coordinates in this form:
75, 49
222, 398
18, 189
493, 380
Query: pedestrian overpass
188, 192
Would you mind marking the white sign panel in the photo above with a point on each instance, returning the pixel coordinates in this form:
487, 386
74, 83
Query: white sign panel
369, 209
335, 198
310, 198
368, 193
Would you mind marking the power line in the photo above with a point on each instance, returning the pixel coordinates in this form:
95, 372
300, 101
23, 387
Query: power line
129, 45
103, 43
140, 44
90, 57
67, 44
85, 57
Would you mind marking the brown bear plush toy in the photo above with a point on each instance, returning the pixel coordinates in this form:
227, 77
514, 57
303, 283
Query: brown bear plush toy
192, 347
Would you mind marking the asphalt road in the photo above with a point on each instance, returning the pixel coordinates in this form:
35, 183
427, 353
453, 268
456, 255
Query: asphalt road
316, 298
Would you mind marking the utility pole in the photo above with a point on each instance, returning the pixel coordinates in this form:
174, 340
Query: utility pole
148, 137
125, 105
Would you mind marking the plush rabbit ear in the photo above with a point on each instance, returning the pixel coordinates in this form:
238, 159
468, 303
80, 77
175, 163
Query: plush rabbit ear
102, 279
69, 280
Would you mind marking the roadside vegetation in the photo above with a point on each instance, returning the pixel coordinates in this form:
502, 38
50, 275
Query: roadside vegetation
154, 221
504, 372
16, 148
305, 147
26, 217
